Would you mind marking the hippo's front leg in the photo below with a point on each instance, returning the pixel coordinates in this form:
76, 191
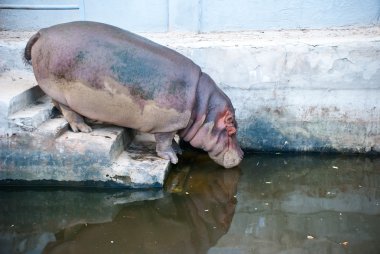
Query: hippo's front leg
75, 120
164, 146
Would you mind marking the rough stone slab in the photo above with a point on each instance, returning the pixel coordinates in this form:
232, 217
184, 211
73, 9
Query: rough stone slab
18, 89
33, 116
96, 159
139, 169
105, 142
70, 157
139, 165
53, 127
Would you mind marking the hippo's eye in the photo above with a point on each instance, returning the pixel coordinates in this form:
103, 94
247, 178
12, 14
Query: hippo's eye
228, 118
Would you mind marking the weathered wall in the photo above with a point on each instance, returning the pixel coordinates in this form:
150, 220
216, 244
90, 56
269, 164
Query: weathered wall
35, 14
223, 15
297, 91
191, 15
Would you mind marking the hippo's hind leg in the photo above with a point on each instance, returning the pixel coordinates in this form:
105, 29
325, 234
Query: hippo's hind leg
166, 147
75, 120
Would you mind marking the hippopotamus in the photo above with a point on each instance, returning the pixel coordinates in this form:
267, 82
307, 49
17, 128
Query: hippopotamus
108, 74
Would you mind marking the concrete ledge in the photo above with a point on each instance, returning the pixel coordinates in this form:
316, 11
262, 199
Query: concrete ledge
96, 159
31, 117
18, 89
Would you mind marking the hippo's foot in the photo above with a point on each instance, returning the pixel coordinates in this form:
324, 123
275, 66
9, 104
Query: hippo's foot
80, 127
73, 118
165, 148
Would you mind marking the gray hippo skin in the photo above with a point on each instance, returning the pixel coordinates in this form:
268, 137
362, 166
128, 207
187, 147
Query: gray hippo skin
111, 75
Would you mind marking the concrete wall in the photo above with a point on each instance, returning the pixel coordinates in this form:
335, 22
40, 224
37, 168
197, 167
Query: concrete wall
137, 15
192, 15
32, 15
297, 90
226, 15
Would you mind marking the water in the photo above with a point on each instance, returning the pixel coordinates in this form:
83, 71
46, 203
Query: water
273, 203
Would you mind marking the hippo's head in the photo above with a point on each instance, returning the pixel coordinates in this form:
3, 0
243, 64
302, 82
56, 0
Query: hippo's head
218, 137
213, 127
226, 151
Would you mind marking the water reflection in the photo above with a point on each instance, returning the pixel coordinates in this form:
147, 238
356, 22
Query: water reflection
29, 219
190, 220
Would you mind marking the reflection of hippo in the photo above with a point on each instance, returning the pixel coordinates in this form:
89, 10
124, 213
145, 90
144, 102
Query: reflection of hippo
111, 75
189, 221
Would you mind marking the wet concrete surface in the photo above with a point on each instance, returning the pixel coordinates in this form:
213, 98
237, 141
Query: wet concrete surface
272, 203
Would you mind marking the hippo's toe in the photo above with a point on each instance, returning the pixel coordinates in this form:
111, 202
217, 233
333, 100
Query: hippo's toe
168, 155
82, 127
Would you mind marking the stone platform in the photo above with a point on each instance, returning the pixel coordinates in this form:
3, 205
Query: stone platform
37, 147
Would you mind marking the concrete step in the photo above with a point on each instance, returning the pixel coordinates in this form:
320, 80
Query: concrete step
54, 155
53, 128
32, 116
18, 90
140, 167
103, 143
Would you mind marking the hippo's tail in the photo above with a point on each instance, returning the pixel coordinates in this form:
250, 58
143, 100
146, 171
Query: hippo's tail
28, 48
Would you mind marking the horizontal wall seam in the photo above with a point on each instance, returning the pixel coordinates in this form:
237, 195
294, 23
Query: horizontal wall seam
38, 7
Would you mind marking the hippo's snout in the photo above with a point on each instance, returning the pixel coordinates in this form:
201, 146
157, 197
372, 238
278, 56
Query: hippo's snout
231, 158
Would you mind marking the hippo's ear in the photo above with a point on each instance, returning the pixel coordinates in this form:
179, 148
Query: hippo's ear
229, 122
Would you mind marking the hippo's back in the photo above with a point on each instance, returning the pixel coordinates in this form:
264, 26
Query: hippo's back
112, 75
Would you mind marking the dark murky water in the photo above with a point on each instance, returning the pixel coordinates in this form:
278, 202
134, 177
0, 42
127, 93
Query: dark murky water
272, 204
